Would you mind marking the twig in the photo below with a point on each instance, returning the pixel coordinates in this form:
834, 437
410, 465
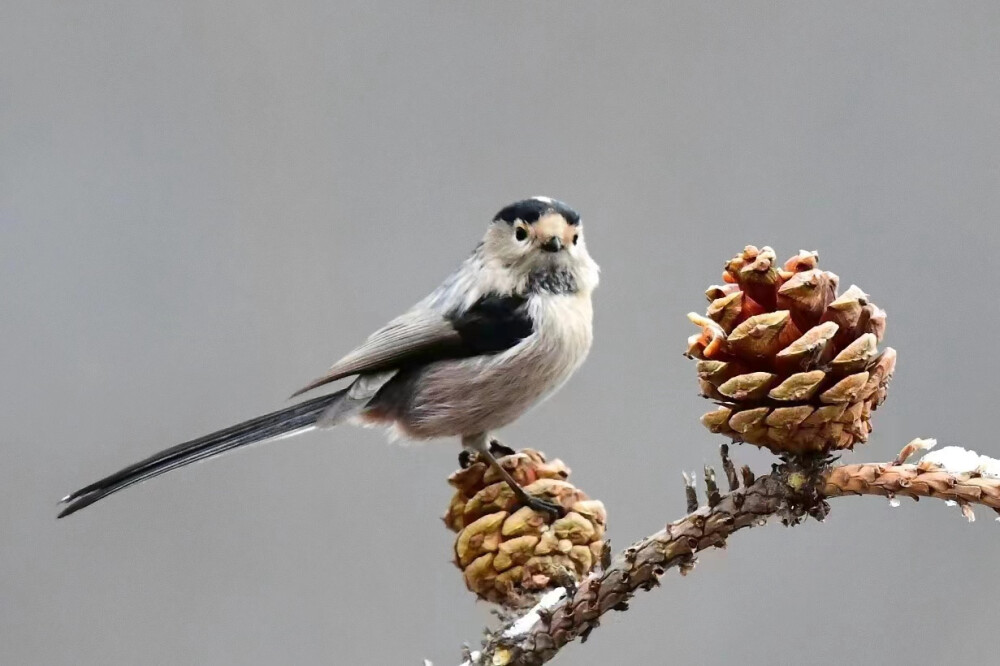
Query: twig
638, 567
729, 468
711, 487
791, 491
690, 491
890, 480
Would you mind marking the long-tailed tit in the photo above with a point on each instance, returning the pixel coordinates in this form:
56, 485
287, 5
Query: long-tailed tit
500, 334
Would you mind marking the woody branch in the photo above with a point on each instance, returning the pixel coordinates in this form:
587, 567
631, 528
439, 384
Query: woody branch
793, 490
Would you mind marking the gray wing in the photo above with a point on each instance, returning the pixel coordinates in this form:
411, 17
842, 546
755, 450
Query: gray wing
490, 325
418, 333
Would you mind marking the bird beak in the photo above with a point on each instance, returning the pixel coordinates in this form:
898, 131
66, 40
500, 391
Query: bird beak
553, 244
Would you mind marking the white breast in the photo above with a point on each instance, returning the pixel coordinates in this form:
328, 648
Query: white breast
563, 333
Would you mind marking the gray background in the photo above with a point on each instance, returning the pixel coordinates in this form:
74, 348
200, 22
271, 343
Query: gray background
202, 204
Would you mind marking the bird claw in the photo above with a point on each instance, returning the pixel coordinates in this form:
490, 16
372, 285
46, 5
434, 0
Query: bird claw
542, 505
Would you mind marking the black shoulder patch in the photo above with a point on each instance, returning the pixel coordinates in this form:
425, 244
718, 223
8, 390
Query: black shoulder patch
493, 324
529, 210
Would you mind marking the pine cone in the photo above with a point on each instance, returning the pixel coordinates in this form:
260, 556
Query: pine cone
509, 553
795, 367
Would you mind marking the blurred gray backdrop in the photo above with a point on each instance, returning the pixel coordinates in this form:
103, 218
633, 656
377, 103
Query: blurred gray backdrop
203, 204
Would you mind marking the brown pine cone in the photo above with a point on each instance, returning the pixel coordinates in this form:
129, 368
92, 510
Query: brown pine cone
794, 367
509, 553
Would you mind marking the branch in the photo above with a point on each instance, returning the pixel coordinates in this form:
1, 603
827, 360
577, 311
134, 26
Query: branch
792, 490
575, 613
890, 480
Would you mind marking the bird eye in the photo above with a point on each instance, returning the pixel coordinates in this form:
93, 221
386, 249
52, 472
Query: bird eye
521, 233
576, 237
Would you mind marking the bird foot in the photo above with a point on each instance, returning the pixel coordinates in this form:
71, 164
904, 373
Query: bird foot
542, 505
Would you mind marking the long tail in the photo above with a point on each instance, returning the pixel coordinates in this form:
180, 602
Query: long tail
303, 415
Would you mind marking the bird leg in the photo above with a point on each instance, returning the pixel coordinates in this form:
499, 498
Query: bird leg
482, 445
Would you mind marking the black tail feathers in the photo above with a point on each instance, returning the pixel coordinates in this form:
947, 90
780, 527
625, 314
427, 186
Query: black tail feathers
262, 428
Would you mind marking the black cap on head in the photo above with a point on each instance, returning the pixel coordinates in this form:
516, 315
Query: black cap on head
530, 210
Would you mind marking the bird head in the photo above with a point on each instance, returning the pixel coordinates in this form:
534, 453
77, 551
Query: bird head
537, 235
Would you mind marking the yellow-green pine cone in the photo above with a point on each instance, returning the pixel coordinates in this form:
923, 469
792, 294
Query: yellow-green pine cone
509, 554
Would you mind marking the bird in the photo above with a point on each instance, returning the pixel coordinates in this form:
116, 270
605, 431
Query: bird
500, 334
